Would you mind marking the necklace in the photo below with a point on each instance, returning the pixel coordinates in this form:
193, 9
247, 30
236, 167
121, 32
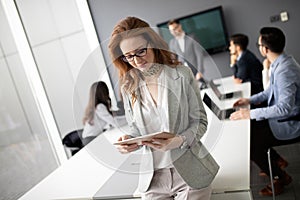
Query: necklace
152, 71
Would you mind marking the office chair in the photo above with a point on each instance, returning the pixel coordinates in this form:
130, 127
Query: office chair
73, 141
296, 118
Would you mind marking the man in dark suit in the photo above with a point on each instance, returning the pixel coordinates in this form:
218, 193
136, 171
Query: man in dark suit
187, 49
245, 65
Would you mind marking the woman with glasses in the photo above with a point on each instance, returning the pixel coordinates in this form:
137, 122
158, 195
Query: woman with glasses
160, 95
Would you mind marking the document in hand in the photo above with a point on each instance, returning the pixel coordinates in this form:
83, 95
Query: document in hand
149, 137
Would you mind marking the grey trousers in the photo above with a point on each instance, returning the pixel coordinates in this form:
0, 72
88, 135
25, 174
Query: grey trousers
167, 184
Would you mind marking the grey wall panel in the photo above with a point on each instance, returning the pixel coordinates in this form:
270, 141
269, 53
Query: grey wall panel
240, 17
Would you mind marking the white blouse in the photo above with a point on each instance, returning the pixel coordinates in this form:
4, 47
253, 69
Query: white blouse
156, 117
102, 120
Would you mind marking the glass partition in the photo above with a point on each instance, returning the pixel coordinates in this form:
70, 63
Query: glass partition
26, 153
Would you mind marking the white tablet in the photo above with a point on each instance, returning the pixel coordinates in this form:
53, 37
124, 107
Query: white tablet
149, 137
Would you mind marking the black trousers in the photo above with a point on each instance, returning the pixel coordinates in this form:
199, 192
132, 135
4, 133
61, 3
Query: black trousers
262, 139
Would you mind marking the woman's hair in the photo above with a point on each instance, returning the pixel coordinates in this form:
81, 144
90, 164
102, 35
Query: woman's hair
99, 93
273, 38
135, 27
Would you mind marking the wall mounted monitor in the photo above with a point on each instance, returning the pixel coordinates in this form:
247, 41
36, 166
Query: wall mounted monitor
207, 26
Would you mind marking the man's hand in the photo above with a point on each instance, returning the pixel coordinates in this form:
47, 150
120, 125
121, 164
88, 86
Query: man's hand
240, 114
241, 102
266, 63
237, 80
199, 76
233, 59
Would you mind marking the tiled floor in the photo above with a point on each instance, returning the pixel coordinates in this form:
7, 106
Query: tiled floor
292, 192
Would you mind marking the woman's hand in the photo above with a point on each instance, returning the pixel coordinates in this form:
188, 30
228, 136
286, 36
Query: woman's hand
164, 144
126, 148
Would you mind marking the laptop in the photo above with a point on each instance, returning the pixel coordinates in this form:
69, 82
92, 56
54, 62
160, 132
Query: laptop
221, 114
221, 96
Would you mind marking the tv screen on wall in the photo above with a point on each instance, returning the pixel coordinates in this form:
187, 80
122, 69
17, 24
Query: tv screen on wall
207, 26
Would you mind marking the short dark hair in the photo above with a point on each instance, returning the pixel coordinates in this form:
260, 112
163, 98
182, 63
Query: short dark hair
173, 21
273, 38
240, 40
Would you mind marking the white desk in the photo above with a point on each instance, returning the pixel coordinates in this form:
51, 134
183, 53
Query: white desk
229, 143
91, 173
84, 173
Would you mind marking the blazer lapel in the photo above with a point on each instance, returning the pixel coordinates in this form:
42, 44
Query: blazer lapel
273, 69
186, 44
139, 119
174, 96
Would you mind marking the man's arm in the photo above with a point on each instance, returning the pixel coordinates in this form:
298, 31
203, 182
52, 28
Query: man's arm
242, 70
198, 52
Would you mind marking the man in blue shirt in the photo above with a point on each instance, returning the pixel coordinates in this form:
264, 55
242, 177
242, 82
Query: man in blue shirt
278, 123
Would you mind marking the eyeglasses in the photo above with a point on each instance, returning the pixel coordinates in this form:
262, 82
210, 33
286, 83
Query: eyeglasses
258, 45
175, 28
139, 53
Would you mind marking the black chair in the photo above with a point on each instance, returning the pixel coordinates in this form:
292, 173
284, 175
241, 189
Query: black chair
296, 118
270, 169
73, 141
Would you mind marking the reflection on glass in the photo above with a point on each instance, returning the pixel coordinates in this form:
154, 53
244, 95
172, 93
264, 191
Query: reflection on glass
26, 155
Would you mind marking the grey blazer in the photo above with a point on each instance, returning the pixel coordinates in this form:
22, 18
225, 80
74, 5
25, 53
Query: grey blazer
193, 53
186, 117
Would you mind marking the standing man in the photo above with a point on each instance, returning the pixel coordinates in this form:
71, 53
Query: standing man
245, 65
280, 123
187, 49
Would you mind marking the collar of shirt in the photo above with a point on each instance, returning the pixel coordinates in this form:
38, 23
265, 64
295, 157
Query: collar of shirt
240, 55
277, 61
181, 36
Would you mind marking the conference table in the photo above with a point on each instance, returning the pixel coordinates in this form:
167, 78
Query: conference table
99, 171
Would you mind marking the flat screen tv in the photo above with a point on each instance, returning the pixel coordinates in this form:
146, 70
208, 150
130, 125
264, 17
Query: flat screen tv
207, 26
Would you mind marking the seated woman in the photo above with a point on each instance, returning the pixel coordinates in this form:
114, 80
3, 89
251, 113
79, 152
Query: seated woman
98, 115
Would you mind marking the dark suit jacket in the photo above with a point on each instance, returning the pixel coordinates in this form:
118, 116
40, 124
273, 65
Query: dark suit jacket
249, 68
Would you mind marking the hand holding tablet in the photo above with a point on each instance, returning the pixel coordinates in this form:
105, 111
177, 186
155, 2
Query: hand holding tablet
149, 137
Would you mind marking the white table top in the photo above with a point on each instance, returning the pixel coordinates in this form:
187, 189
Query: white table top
229, 141
85, 173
